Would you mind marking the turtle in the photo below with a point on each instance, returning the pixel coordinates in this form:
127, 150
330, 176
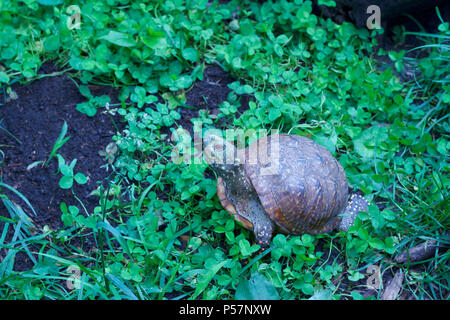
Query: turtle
298, 188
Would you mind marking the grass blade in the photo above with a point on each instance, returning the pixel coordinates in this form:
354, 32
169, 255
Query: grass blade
21, 196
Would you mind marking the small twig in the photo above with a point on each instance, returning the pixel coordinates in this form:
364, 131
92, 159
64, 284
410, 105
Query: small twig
393, 288
422, 251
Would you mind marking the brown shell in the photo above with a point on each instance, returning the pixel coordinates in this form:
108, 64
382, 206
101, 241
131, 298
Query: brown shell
303, 189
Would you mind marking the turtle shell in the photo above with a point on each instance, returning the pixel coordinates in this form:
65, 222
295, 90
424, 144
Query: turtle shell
301, 185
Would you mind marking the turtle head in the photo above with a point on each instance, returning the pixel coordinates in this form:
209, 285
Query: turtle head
220, 154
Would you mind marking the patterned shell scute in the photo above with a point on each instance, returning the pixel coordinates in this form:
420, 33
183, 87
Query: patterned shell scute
300, 184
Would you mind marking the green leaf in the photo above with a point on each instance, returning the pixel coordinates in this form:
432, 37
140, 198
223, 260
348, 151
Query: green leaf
376, 243
307, 240
80, 178
237, 63
357, 296
378, 222
4, 78
328, 142
388, 214
73, 163
307, 288
274, 113
63, 207
48, 265
154, 38
60, 141
66, 170
52, 43
421, 146
244, 89
66, 182
119, 38
244, 245
328, 3
256, 288
206, 278
85, 91
87, 108
324, 294
122, 286
368, 140
363, 234
49, 2
74, 210
443, 27
190, 54
34, 164
355, 275
67, 219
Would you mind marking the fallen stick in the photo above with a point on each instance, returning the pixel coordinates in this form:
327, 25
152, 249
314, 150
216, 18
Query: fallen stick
422, 251
393, 288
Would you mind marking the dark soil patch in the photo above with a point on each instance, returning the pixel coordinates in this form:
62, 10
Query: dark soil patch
36, 119
207, 95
